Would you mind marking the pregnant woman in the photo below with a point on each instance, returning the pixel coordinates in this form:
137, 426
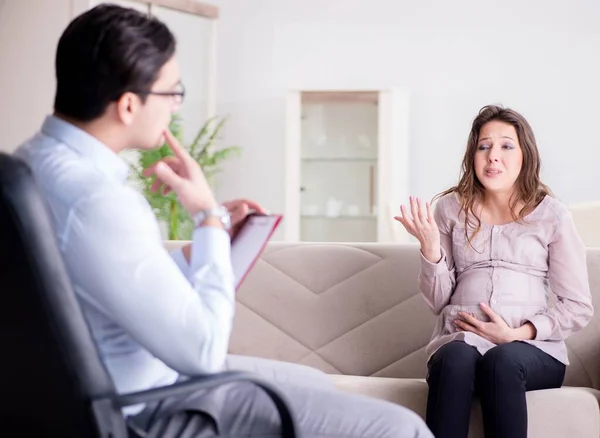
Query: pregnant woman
491, 252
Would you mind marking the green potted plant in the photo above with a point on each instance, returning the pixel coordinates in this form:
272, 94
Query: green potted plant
204, 150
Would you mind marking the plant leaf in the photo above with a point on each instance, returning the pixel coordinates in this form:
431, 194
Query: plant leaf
203, 149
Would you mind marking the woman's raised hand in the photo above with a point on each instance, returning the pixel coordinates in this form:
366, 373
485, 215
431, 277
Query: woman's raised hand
420, 223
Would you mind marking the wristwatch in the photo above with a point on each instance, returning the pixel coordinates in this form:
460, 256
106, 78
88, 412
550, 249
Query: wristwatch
219, 212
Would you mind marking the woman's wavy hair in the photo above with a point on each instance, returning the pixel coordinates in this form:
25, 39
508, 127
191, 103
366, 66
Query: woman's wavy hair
529, 188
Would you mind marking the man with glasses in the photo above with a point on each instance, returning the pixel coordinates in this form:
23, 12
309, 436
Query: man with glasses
177, 95
159, 317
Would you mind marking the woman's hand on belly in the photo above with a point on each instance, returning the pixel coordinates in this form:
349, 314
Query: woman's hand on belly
496, 330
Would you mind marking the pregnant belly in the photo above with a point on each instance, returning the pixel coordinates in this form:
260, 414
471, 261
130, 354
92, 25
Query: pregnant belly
515, 298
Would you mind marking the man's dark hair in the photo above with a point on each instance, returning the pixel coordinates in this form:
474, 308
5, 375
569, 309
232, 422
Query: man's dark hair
104, 53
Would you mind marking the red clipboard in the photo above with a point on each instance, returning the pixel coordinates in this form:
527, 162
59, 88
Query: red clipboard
250, 241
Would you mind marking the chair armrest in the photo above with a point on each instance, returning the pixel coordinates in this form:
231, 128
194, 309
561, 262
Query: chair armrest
289, 428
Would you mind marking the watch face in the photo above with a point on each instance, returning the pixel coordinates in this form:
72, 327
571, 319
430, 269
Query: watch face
225, 217
220, 212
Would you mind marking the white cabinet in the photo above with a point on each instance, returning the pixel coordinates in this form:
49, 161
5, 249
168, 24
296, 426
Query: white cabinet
347, 168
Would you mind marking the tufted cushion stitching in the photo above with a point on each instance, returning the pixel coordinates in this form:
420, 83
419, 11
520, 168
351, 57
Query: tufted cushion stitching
330, 287
273, 249
351, 277
298, 282
273, 326
389, 309
400, 359
323, 359
276, 326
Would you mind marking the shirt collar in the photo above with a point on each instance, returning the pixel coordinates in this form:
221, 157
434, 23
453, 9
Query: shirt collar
88, 146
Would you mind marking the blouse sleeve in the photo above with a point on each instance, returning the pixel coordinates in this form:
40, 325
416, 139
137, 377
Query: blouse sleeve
437, 280
567, 271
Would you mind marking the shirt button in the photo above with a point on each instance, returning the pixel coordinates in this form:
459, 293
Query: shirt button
496, 229
494, 301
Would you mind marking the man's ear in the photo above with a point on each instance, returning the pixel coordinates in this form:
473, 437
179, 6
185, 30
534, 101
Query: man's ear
128, 106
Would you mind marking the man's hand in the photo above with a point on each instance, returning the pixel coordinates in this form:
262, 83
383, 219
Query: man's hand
240, 208
497, 330
182, 174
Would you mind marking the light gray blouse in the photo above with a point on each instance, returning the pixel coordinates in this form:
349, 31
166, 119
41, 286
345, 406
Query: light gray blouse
513, 268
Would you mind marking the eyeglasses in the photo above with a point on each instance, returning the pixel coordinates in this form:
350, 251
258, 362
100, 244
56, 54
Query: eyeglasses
177, 96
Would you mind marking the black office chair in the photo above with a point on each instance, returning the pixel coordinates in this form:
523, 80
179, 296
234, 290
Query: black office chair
53, 381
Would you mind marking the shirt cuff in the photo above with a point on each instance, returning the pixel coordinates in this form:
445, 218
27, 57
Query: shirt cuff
180, 261
542, 326
210, 246
432, 269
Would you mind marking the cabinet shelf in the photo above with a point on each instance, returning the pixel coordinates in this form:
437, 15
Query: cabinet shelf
339, 159
342, 216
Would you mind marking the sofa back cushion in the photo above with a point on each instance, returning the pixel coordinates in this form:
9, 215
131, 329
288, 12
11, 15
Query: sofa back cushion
354, 308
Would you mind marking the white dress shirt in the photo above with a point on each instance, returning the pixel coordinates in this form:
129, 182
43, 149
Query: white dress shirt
152, 315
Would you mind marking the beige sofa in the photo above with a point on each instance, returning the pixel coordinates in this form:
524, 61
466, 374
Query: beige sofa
587, 217
353, 311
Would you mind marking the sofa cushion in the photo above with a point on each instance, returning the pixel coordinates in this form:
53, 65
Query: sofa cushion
553, 413
340, 308
355, 309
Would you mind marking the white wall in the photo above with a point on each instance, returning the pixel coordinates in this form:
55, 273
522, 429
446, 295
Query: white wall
539, 57
29, 33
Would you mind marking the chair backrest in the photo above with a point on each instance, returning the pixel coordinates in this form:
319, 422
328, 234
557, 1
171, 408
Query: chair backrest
50, 367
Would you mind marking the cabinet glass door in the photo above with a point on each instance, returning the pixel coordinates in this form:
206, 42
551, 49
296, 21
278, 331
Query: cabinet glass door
339, 166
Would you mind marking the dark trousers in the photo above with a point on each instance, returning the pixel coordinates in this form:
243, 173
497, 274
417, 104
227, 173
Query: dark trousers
500, 378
